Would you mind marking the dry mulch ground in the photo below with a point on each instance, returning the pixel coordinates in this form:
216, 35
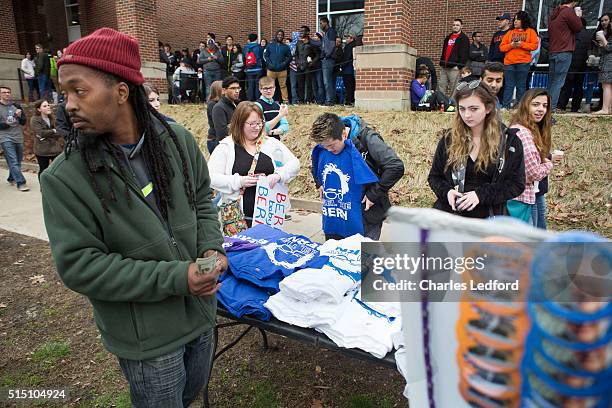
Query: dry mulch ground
49, 340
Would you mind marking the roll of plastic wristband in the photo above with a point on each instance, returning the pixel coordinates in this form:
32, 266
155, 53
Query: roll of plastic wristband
596, 362
574, 270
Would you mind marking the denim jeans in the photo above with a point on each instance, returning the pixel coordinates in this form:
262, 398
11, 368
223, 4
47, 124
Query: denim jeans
515, 75
13, 153
538, 212
252, 86
209, 78
558, 65
294, 86
591, 78
318, 87
44, 86
172, 380
31, 89
211, 144
329, 81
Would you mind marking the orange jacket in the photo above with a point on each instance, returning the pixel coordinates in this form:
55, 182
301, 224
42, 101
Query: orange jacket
520, 55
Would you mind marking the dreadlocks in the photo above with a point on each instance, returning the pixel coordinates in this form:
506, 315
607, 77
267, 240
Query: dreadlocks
153, 150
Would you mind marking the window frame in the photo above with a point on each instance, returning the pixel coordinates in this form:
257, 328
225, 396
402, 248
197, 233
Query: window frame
329, 14
539, 17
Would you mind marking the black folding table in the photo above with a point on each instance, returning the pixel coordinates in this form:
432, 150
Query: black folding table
309, 336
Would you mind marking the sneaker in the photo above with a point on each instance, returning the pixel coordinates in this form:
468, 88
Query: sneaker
23, 187
288, 217
11, 183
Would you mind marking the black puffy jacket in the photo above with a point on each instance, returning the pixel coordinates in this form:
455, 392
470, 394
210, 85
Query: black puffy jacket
492, 195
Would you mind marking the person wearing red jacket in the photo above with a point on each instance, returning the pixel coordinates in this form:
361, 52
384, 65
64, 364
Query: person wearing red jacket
563, 24
517, 45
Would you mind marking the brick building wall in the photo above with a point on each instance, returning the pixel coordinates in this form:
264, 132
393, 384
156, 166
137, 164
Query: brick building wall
187, 25
96, 14
288, 15
433, 20
138, 18
384, 79
387, 22
8, 30
55, 17
31, 25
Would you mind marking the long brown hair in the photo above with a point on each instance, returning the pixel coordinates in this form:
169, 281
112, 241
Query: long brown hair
541, 131
37, 106
239, 118
461, 134
216, 91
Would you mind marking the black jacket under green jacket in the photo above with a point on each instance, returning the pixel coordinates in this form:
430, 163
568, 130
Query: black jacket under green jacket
130, 264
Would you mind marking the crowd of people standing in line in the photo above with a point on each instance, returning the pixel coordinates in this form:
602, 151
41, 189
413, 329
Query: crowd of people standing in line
305, 66
573, 54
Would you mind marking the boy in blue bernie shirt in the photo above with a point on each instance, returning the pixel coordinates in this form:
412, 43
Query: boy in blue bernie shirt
353, 169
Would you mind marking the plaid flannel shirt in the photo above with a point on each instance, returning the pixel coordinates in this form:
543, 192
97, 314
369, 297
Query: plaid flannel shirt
535, 170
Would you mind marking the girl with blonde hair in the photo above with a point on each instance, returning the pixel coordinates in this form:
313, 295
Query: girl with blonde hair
477, 166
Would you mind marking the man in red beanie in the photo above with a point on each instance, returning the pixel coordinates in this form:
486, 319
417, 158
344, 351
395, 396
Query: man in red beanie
128, 210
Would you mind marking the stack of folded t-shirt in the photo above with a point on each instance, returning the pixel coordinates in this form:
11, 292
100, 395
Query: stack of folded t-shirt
359, 326
259, 258
328, 299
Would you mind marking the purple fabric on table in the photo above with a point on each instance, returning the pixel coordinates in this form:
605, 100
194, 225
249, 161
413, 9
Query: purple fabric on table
235, 244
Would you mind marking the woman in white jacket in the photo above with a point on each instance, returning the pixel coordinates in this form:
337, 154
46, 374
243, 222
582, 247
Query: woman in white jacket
231, 162
27, 67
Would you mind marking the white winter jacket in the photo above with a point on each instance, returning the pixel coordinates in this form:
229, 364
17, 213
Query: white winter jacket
221, 162
27, 66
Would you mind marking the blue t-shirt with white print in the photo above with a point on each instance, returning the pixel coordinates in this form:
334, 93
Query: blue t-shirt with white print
242, 298
279, 255
343, 177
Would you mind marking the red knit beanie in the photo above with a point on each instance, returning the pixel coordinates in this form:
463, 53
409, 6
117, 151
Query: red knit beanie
107, 50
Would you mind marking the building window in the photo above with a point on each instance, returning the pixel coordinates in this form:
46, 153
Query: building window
540, 10
73, 19
72, 12
346, 16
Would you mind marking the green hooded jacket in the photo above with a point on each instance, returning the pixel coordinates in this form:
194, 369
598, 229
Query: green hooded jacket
131, 265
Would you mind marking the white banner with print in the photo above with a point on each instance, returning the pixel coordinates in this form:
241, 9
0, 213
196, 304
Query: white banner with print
271, 203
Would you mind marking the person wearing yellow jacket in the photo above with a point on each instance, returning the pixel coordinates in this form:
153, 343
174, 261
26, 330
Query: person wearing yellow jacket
517, 45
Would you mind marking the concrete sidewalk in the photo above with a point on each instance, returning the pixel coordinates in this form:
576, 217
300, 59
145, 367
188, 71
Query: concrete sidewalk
21, 212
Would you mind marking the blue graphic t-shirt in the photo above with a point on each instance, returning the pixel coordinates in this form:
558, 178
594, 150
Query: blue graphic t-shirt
279, 255
343, 177
243, 298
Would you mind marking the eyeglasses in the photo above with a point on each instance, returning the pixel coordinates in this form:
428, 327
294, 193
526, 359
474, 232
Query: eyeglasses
268, 88
332, 195
469, 85
255, 125
234, 88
